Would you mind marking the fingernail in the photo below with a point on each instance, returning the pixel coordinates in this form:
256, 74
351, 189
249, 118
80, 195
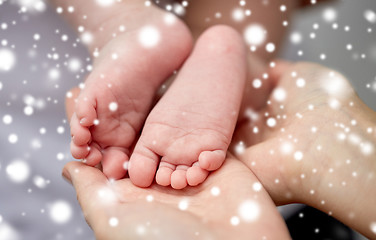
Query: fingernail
83, 120
67, 176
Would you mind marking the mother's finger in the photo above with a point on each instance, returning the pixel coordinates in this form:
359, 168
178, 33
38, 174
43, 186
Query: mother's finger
92, 189
262, 78
280, 68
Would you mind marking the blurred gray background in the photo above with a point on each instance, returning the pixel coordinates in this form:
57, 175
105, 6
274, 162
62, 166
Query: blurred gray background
35, 202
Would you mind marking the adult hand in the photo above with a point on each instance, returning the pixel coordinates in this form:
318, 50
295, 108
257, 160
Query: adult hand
314, 143
228, 205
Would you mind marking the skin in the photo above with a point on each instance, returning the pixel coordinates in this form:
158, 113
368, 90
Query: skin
345, 203
110, 142
129, 204
189, 130
211, 221
201, 14
113, 80
127, 80
334, 175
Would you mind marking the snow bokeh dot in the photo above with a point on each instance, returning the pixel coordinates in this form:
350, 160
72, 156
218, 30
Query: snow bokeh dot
183, 204
74, 64
373, 227
42, 130
32, 5
113, 106
298, 156
330, 14
36, 37
249, 210
39, 181
257, 83
234, 220
296, 37
149, 36
18, 171
255, 34
113, 222
300, 82
28, 110
105, 3
238, 14
7, 119
149, 198
87, 38
60, 130
270, 47
7, 59
215, 191
54, 74
60, 156
13, 138
370, 16
279, 94
271, 122
8, 232
257, 186
60, 212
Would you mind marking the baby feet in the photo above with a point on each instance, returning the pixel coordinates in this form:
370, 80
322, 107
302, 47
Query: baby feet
118, 94
188, 132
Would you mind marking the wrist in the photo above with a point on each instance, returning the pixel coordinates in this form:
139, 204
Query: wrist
343, 181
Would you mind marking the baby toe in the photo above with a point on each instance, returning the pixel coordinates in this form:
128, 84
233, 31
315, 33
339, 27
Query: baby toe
80, 135
113, 162
164, 172
85, 110
79, 152
95, 155
179, 178
211, 160
196, 175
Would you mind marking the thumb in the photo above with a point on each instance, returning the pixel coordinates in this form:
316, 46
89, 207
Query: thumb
266, 162
280, 69
90, 185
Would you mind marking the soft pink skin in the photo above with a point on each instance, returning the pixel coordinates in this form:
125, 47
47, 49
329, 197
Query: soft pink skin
131, 81
188, 132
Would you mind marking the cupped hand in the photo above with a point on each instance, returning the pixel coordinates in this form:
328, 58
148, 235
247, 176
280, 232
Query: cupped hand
313, 142
230, 204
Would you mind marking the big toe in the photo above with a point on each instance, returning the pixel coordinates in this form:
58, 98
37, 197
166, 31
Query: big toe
142, 166
114, 162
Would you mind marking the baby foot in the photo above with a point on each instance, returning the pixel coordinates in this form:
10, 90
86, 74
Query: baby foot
188, 132
118, 94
